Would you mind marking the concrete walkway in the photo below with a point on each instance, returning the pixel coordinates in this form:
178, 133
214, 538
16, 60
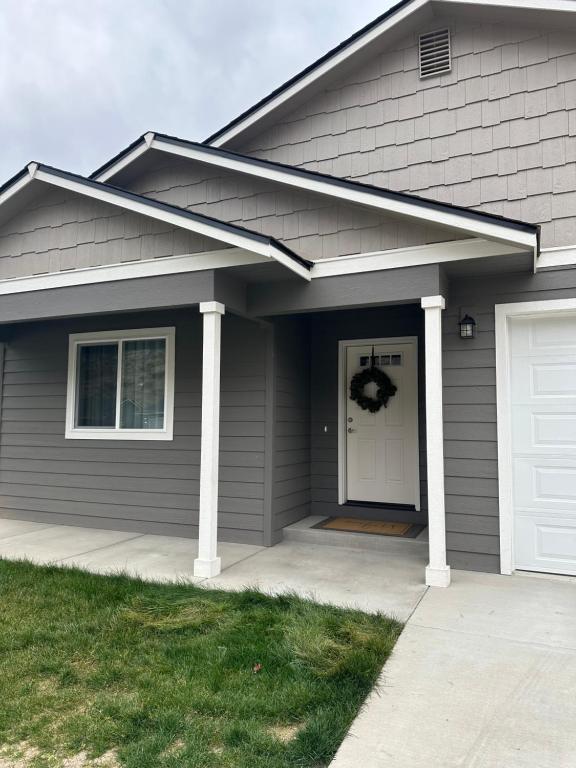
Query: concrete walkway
369, 580
483, 676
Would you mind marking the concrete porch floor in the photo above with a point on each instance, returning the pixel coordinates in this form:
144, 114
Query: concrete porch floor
390, 582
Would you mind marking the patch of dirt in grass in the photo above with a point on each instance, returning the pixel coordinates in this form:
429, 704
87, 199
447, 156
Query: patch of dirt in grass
48, 685
23, 755
285, 733
174, 748
81, 760
17, 755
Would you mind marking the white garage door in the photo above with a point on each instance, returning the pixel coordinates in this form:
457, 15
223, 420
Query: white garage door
543, 401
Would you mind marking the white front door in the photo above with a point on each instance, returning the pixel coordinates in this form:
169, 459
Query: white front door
382, 447
543, 420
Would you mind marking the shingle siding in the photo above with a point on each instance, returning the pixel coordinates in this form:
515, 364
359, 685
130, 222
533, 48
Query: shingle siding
509, 102
61, 231
312, 225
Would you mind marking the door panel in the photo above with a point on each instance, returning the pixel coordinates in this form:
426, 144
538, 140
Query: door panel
543, 401
382, 447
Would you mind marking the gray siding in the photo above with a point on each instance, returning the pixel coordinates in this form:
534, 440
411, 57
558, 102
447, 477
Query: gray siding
291, 489
62, 231
470, 439
142, 485
326, 330
498, 133
312, 225
395, 286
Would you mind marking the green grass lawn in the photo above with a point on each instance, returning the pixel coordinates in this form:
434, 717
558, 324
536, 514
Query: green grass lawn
167, 676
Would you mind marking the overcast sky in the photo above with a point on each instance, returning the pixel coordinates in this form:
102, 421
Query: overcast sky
81, 79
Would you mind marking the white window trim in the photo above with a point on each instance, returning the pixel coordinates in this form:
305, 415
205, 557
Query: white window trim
115, 433
503, 314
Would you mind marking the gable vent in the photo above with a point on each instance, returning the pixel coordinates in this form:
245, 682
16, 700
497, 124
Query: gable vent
435, 56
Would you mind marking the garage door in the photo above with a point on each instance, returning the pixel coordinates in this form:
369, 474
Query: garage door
543, 401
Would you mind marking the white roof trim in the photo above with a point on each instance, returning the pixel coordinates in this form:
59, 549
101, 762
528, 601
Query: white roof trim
489, 229
350, 50
318, 72
126, 160
129, 202
18, 185
522, 5
436, 253
168, 265
557, 257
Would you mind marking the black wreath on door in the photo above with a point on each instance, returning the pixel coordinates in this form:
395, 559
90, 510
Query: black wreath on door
375, 375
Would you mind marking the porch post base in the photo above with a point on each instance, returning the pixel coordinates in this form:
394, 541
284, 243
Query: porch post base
206, 569
438, 577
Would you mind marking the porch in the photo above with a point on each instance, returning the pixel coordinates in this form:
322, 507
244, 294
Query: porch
370, 579
256, 447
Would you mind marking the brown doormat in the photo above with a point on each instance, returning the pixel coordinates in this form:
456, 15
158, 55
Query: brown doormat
378, 527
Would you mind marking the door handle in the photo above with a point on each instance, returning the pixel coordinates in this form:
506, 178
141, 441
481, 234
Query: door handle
350, 430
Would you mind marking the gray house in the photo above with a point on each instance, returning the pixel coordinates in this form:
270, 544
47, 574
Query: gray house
356, 299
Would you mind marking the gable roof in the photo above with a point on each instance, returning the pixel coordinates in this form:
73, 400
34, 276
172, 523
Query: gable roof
357, 42
231, 234
466, 220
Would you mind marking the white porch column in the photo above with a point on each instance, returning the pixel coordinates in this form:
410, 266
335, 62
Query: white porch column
207, 563
437, 572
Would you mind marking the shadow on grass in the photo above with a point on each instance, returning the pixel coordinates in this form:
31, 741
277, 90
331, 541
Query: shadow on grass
168, 676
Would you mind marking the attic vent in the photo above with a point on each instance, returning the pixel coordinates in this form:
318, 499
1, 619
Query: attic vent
435, 56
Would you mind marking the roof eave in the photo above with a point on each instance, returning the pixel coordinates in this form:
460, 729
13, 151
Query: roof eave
231, 234
464, 220
362, 38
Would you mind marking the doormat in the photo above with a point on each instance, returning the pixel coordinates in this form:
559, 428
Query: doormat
377, 527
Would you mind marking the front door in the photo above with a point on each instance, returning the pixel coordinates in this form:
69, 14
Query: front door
382, 447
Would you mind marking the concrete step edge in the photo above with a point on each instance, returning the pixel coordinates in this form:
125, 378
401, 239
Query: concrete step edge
350, 540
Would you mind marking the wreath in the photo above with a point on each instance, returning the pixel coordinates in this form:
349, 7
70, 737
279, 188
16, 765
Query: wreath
385, 389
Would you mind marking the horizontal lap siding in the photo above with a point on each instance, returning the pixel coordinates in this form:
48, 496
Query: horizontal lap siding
147, 486
470, 430
291, 456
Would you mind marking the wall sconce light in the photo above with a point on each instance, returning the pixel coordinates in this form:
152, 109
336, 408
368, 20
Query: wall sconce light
467, 327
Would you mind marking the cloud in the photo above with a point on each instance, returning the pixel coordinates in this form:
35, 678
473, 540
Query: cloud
80, 80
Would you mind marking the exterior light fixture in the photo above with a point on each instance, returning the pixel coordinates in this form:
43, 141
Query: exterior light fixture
467, 327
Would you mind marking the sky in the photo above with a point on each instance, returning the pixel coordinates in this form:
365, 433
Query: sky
81, 79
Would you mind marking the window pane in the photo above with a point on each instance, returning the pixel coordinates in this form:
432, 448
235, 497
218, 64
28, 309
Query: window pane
96, 394
143, 372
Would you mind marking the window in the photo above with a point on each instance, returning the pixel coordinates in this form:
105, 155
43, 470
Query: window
434, 53
121, 385
381, 360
